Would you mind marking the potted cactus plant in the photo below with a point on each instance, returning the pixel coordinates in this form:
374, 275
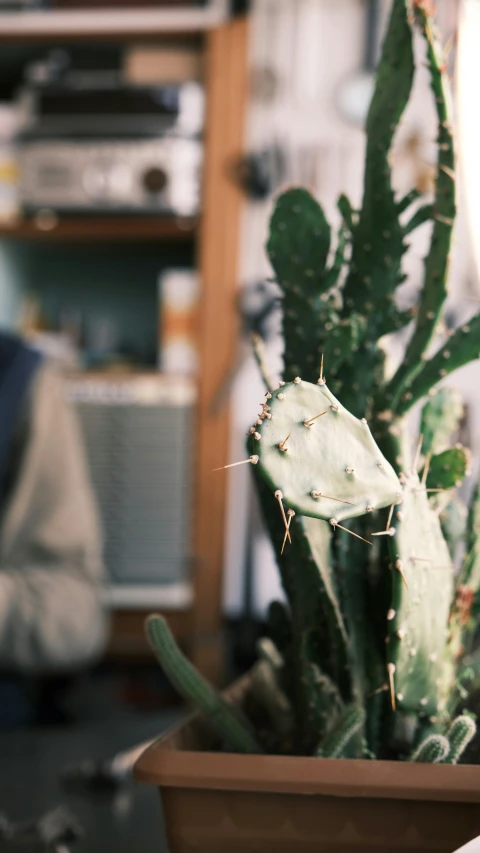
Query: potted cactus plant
367, 660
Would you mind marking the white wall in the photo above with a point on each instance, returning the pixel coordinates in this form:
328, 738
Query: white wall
315, 48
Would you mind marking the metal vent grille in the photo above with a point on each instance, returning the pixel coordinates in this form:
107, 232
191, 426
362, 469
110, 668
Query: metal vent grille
139, 445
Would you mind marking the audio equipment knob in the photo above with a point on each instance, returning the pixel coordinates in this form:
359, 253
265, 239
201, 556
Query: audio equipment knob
154, 179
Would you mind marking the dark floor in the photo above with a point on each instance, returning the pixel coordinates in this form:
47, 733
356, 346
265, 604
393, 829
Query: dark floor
104, 712
33, 759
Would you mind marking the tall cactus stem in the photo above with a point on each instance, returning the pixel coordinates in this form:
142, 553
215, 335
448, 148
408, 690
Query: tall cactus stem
434, 290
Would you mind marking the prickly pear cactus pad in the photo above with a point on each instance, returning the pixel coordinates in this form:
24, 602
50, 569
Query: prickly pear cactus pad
422, 594
318, 458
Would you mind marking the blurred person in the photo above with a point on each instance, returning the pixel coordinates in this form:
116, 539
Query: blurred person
51, 615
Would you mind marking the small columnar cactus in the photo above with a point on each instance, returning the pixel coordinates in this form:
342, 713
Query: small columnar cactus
365, 655
337, 743
234, 729
433, 750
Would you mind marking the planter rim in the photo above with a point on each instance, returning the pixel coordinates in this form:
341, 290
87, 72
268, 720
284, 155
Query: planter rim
165, 765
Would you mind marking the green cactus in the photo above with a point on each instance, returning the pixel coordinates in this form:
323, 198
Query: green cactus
461, 348
368, 645
453, 521
338, 742
421, 597
447, 469
459, 735
298, 249
378, 242
464, 616
318, 459
441, 416
299, 244
470, 574
434, 290
227, 720
433, 750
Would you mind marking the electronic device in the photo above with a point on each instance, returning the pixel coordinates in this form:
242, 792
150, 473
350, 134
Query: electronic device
138, 434
91, 144
144, 176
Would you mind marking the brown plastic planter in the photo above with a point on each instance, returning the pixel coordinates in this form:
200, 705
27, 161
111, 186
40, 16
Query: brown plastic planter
220, 803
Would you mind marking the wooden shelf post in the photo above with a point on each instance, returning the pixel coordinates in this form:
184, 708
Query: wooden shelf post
218, 327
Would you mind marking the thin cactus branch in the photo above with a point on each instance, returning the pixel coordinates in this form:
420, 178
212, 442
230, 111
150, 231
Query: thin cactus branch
378, 241
461, 348
348, 214
447, 469
408, 200
227, 720
420, 217
434, 290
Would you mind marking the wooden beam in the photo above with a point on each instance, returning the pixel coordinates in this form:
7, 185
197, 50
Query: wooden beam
93, 228
218, 327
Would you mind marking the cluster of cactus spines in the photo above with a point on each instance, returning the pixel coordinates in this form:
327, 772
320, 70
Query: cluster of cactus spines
228, 721
367, 648
318, 459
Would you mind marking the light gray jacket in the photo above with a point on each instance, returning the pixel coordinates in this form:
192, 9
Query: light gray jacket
51, 615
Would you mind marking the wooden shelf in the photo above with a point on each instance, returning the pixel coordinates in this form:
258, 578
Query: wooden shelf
199, 627
99, 228
120, 24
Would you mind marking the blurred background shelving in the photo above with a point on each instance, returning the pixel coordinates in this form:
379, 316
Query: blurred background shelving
109, 21
97, 229
86, 272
